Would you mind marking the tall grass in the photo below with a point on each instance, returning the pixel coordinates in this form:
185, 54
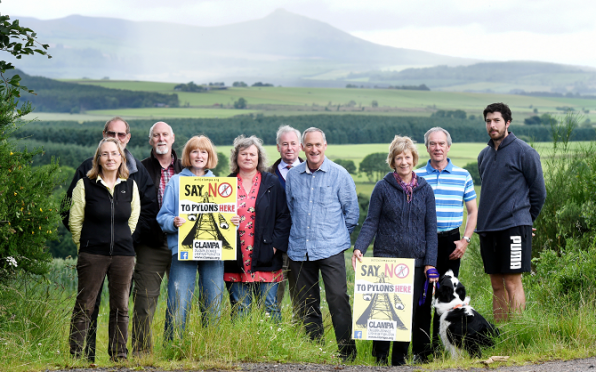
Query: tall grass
35, 315
34, 322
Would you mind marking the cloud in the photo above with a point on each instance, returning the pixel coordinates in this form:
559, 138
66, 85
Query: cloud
475, 42
545, 16
552, 30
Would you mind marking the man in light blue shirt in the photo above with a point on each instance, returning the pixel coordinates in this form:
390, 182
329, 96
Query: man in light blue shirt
323, 204
453, 187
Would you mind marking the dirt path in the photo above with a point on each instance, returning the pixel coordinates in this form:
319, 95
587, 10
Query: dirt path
576, 365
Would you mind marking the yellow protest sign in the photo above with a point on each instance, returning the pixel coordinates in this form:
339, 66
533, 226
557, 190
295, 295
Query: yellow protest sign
383, 299
207, 204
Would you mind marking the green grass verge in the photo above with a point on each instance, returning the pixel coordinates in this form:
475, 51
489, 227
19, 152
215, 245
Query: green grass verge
35, 316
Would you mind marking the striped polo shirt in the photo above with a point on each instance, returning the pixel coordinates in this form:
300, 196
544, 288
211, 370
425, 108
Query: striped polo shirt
452, 187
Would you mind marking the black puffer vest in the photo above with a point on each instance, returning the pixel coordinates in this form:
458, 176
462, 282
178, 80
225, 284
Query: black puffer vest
105, 228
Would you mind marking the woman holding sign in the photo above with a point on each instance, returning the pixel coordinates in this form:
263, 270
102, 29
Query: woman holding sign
263, 222
104, 214
198, 157
402, 218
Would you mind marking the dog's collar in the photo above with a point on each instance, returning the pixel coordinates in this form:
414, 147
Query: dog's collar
459, 305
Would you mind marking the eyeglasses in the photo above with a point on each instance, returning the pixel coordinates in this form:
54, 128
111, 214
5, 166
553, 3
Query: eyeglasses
110, 154
119, 134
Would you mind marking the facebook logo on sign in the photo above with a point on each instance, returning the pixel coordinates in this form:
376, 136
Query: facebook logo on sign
357, 334
185, 255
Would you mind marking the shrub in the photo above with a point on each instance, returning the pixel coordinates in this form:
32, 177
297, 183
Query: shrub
564, 247
374, 166
28, 214
347, 164
570, 178
472, 168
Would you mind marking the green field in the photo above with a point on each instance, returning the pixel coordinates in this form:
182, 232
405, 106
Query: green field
460, 154
156, 113
174, 112
299, 101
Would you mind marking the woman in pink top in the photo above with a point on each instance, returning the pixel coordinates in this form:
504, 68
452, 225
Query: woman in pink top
263, 222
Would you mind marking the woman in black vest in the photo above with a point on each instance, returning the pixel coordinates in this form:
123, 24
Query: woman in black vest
104, 213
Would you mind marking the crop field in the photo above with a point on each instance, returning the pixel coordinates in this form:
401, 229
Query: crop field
402, 102
174, 112
156, 113
460, 154
145, 86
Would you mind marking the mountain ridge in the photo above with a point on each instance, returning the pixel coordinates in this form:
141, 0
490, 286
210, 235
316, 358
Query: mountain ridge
261, 48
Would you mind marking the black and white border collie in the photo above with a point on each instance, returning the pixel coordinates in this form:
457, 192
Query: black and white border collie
461, 327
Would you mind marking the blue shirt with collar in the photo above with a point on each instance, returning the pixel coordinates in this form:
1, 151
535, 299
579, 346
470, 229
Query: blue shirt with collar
324, 210
452, 187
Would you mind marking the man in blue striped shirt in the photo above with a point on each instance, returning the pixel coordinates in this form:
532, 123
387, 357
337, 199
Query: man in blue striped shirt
453, 187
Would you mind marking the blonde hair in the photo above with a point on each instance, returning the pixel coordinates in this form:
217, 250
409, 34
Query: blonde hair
201, 143
242, 143
399, 145
96, 169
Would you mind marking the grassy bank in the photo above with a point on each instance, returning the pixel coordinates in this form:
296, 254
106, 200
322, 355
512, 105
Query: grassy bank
559, 322
35, 317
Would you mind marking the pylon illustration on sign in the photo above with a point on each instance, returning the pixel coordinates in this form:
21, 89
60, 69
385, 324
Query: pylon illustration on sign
206, 228
381, 307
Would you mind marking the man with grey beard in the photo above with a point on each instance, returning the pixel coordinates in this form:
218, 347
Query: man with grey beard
153, 262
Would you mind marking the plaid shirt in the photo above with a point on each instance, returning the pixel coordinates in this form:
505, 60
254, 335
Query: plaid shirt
166, 174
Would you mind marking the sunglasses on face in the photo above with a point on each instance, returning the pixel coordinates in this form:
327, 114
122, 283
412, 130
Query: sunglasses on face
114, 134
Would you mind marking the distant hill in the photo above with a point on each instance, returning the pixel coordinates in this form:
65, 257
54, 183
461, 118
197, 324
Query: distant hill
56, 96
487, 77
282, 48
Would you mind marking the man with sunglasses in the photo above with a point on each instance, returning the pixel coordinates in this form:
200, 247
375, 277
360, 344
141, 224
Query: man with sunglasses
118, 128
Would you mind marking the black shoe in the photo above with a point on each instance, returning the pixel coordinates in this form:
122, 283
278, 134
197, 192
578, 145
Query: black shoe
398, 361
347, 350
420, 359
347, 353
382, 360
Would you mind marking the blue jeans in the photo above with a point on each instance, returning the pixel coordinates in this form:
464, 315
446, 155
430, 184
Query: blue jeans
181, 287
241, 297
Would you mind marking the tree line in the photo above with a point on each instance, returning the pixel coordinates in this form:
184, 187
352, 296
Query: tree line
61, 138
57, 96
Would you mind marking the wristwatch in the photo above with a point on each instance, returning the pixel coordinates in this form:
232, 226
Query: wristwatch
467, 239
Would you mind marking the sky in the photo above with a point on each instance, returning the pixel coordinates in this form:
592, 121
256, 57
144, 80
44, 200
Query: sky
540, 30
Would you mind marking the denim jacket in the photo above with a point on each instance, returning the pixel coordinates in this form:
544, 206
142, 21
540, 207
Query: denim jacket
324, 210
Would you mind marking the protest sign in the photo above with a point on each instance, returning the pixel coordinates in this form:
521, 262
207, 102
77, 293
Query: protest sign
207, 204
383, 299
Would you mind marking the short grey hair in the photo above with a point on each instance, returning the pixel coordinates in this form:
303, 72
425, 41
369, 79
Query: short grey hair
437, 129
116, 118
153, 127
286, 129
310, 130
241, 143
